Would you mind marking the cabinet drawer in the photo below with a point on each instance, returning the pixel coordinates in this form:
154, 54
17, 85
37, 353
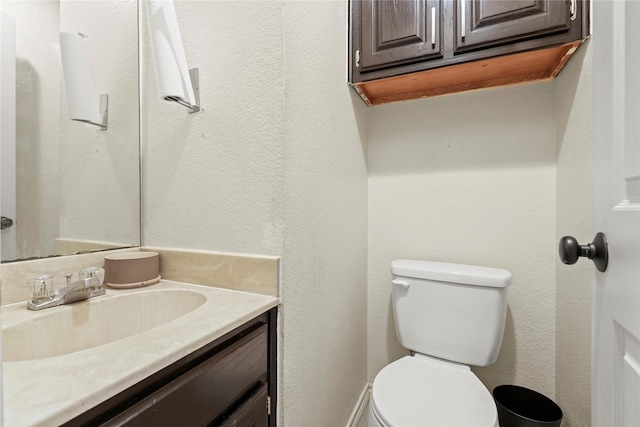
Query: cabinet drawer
254, 412
203, 393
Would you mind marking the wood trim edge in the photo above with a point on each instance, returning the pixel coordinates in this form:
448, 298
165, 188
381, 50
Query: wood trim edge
525, 67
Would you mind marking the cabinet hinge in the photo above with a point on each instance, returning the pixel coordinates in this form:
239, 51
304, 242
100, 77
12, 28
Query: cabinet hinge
358, 58
268, 405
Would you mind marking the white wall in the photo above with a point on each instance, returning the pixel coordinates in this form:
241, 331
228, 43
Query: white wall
494, 178
273, 165
276, 164
214, 179
574, 218
469, 178
324, 263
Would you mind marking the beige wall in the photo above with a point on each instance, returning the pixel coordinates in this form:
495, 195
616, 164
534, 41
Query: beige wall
493, 178
276, 164
273, 165
214, 180
469, 178
324, 257
574, 218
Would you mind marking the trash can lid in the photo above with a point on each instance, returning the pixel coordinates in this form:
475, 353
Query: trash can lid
423, 391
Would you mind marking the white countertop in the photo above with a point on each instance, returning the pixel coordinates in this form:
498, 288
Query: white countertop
53, 390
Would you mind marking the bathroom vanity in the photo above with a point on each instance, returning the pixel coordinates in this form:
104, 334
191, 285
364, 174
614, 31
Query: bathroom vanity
227, 382
211, 361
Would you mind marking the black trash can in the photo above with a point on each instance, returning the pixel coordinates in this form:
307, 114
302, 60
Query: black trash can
522, 407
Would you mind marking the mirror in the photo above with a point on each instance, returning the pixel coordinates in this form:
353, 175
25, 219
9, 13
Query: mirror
77, 188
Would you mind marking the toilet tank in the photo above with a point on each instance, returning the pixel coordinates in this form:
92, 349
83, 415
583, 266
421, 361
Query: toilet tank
454, 312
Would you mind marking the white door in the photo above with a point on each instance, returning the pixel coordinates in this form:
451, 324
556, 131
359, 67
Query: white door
616, 315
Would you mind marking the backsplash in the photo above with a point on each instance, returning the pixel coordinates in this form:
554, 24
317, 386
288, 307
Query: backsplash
250, 273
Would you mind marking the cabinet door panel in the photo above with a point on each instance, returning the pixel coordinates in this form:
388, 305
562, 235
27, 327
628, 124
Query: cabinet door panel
399, 31
486, 23
253, 411
203, 393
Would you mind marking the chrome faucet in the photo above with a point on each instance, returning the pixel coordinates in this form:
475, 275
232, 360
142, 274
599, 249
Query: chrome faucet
86, 288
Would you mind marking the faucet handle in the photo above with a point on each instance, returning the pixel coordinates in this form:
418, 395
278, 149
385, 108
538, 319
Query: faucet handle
90, 272
41, 287
69, 277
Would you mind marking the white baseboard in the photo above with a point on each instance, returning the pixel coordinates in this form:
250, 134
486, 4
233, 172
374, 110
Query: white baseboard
358, 417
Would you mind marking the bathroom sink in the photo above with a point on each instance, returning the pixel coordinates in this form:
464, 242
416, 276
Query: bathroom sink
87, 324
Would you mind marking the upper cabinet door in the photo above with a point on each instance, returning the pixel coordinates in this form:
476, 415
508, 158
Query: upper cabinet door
486, 23
395, 32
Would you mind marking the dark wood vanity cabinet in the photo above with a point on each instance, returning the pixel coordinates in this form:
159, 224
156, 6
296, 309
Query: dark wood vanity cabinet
406, 49
229, 382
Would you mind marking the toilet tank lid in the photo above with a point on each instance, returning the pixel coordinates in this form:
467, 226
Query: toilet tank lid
452, 273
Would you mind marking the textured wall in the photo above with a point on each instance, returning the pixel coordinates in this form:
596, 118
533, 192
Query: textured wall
324, 264
214, 179
274, 165
574, 218
469, 178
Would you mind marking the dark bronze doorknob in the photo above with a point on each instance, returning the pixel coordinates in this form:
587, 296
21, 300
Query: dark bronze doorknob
6, 222
570, 250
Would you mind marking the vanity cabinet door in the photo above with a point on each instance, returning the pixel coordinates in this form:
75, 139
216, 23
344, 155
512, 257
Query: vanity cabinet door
253, 412
205, 393
232, 377
395, 32
486, 23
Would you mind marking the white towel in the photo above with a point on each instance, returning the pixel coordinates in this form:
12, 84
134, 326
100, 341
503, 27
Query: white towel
170, 64
82, 102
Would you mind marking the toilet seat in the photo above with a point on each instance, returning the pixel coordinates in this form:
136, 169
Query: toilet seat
422, 391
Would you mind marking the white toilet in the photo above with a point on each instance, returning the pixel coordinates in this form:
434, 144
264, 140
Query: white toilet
450, 316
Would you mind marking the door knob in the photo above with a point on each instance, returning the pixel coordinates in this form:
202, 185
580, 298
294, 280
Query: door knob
6, 222
570, 250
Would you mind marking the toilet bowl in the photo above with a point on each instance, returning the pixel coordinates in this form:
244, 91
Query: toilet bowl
451, 316
422, 391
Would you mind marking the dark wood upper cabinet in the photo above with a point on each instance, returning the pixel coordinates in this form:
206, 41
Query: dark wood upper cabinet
487, 23
407, 49
398, 32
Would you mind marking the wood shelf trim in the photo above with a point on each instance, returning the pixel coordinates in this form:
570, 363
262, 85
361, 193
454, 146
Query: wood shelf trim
536, 65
